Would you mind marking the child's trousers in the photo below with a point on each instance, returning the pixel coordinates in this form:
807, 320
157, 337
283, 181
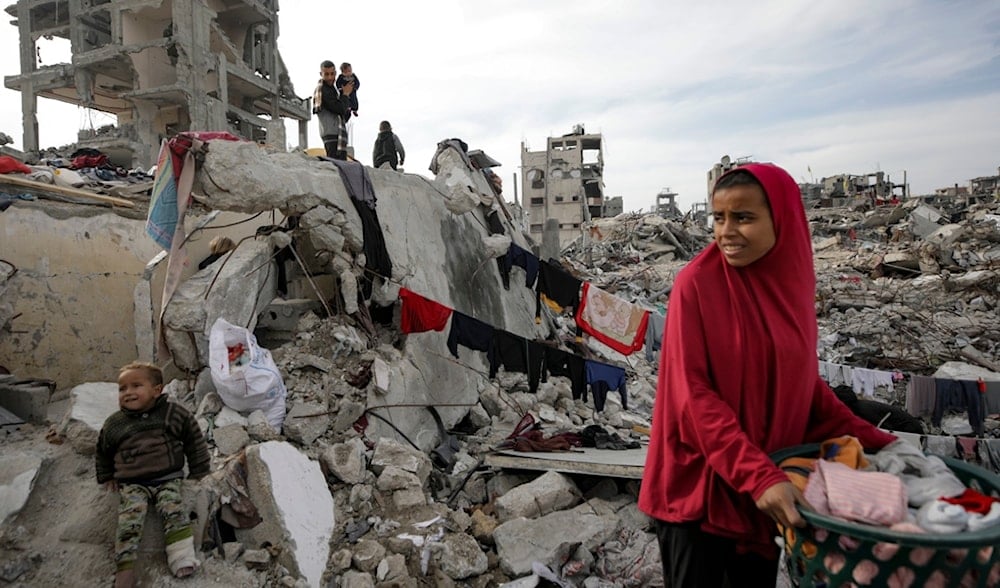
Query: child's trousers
134, 501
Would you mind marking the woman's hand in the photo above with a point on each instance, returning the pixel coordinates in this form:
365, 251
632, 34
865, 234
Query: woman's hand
778, 502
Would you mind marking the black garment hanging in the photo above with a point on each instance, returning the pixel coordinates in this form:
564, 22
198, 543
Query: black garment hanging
469, 332
569, 365
516, 354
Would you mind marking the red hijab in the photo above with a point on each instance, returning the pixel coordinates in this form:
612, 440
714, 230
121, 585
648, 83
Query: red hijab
739, 378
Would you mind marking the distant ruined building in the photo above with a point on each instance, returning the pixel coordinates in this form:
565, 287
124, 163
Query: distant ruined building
566, 183
161, 67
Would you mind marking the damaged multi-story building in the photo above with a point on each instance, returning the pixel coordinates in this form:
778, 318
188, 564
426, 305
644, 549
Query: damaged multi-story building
160, 67
566, 183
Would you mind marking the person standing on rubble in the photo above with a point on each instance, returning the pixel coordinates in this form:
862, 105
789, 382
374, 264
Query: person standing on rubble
739, 379
332, 108
388, 148
141, 451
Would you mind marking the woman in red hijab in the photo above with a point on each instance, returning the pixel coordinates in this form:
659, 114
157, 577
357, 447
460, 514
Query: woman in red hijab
738, 380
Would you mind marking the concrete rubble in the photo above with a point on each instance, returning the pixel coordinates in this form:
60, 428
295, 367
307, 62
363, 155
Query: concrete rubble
350, 492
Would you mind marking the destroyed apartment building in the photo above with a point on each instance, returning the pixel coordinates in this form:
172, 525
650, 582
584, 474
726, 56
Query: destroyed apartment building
399, 455
160, 68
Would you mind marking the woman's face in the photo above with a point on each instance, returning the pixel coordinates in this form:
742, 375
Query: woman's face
744, 231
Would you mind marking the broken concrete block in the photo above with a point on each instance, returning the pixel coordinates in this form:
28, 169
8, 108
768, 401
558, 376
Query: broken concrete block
408, 498
356, 579
228, 416
326, 238
521, 541
389, 452
236, 293
232, 550
259, 428
211, 404
17, 477
306, 422
30, 402
380, 373
340, 560
317, 217
230, 439
349, 291
367, 555
294, 501
496, 245
460, 556
395, 478
282, 315
392, 569
826, 243
946, 235
345, 461
92, 403
549, 492
348, 411
256, 559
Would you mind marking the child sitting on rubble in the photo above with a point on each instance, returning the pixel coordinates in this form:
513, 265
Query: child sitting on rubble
140, 454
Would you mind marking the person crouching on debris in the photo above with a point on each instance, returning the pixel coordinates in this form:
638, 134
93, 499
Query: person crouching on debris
332, 108
140, 454
739, 379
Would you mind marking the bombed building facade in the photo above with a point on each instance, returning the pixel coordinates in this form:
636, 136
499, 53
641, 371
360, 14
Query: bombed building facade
564, 182
160, 68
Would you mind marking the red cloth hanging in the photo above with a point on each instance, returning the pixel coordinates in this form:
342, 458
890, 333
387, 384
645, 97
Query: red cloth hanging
420, 314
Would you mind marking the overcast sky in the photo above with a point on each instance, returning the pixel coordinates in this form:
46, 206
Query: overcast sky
845, 86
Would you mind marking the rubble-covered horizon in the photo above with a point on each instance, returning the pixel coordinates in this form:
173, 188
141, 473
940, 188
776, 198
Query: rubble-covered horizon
909, 288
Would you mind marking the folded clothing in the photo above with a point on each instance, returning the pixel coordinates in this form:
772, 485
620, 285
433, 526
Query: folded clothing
937, 516
867, 497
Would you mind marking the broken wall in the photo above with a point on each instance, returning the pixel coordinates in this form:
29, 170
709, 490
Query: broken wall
434, 252
85, 308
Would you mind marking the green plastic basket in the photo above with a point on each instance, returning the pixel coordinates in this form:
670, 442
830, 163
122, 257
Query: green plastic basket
855, 550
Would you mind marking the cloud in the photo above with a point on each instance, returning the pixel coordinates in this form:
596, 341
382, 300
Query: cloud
841, 87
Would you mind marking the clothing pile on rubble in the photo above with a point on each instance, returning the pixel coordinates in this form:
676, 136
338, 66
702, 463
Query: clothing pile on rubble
900, 489
85, 167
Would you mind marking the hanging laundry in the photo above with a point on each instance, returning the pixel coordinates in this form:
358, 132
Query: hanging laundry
654, 335
864, 381
419, 314
469, 332
835, 374
569, 365
359, 187
516, 354
602, 378
168, 204
523, 259
614, 321
991, 398
920, 395
559, 288
941, 445
959, 395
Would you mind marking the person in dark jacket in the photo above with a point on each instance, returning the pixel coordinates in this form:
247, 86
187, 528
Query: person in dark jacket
332, 108
387, 147
141, 452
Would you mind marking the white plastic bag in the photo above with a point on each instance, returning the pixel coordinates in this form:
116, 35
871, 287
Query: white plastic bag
256, 385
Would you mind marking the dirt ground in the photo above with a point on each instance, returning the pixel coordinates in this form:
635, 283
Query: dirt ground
64, 535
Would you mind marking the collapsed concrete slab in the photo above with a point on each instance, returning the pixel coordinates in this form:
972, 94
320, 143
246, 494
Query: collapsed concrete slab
237, 292
522, 541
17, 477
294, 501
435, 252
90, 405
549, 492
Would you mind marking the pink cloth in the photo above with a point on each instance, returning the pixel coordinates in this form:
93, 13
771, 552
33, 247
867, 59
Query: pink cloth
614, 321
867, 497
